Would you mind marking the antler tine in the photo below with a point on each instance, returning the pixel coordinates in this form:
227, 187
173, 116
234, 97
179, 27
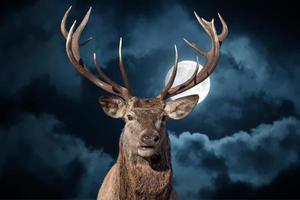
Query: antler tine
77, 34
86, 41
193, 77
164, 92
103, 75
64, 30
80, 66
63, 23
211, 56
224, 32
122, 68
194, 46
72, 48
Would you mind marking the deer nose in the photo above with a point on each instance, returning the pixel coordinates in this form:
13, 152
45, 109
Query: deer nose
150, 139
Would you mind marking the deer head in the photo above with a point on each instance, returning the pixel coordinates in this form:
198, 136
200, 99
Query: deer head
144, 134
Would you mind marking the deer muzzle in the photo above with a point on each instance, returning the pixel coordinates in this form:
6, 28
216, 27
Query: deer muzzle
148, 144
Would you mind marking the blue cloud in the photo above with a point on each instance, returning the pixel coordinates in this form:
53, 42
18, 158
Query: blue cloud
45, 152
255, 157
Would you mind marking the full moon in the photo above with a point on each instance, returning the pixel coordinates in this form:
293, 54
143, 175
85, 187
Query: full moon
185, 70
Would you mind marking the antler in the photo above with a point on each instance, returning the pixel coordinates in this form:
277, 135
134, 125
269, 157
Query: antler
72, 48
211, 56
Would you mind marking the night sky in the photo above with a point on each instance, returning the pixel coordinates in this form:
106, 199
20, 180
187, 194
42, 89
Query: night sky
242, 141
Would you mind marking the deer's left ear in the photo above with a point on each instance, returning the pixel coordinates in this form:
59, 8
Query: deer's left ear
181, 107
113, 106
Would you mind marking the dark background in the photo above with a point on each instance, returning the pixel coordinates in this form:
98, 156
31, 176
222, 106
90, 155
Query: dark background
242, 141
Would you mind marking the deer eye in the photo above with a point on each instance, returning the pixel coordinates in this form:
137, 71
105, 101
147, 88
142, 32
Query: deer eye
129, 117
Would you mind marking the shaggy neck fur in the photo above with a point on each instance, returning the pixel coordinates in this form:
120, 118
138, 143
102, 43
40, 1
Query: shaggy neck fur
145, 179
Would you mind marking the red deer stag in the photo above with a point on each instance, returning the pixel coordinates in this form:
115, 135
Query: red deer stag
143, 169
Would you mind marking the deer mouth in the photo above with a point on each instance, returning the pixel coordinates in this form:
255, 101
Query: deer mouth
146, 150
146, 147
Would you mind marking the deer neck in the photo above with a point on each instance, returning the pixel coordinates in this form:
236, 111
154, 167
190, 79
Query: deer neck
145, 179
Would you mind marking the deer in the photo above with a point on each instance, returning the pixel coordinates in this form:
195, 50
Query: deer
143, 170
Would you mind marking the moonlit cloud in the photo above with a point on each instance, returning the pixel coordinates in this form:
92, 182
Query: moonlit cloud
254, 157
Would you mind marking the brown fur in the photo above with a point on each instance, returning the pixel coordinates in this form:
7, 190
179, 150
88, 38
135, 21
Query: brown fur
134, 176
145, 179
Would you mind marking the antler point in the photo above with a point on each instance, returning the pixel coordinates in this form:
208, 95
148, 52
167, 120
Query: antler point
120, 44
220, 16
75, 21
212, 21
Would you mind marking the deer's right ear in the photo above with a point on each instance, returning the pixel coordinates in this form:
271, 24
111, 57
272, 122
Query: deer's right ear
113, 106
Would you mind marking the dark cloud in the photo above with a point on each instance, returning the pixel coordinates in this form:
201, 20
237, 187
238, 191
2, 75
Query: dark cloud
40, 97
284, 186
254, 158
35, 49
50, 157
